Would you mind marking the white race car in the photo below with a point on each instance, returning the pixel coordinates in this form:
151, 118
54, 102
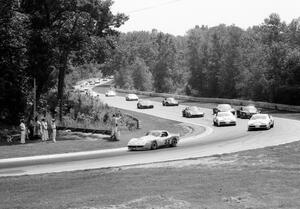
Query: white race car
110, 93
224, 118
153, 140
260, 121
132, 97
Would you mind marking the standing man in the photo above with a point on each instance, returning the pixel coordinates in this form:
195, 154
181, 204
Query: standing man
53, 127
23, 131
45, 135
115, 134
39, 127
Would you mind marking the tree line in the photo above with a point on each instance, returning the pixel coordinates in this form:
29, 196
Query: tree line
261, 63
58, 41
44, 41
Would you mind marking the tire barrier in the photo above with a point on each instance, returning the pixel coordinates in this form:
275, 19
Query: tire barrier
85, 130
237, 102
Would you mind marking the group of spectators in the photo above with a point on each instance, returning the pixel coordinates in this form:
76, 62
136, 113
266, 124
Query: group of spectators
40, 128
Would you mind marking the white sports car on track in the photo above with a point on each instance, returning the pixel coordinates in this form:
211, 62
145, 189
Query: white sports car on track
260, 121
132, 97
153, 140
224, 118
110, 93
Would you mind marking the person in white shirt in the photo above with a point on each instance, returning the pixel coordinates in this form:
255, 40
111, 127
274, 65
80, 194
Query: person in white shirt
53, 127
23, 131
45, 135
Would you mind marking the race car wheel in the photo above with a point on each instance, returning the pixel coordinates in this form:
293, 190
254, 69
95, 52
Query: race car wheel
154, 145
174, 142
272, 126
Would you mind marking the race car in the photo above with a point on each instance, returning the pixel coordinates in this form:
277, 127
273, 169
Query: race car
247, 111
131, 97
144, 104
153, 140
169, 102
224, 118
110, 93
192, 111
260, 121
223, 108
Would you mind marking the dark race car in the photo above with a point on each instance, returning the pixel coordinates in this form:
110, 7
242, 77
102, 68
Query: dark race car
144, 104
247, 111
193, 111
223, 108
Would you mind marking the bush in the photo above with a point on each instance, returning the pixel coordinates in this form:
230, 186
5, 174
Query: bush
84, 111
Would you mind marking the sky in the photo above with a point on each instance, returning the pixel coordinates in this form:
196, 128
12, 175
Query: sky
178, 16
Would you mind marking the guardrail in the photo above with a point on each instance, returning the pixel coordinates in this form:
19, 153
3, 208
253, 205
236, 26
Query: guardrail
85, 130
237, 102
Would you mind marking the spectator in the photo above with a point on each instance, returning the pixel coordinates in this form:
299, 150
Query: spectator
39, 128
53, 127
23, 131
115, 134
30, 129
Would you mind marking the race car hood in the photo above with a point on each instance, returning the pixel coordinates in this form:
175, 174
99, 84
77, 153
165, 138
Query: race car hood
226, 118
195, 112
141, 141
258, 121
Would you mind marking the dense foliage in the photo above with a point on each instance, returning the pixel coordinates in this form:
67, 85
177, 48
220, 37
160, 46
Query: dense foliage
45, 40
260, 63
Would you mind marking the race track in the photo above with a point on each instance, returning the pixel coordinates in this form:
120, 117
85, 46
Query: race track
215, 140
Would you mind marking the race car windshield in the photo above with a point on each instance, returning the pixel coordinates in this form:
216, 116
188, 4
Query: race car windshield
153, 133
224, 107
224, 114
194, 108
250, 109
256, 117
171, 99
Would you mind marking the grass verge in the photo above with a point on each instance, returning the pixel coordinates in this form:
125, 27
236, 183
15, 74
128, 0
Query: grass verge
263, 178
86, 142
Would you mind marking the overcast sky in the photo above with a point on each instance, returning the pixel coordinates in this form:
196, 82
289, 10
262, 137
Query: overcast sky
178, 16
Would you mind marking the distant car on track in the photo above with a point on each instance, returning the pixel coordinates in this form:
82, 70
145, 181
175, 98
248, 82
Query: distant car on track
192, 111
153, 140
223, 108
170, 101
144, 104
246, 111
260, 121
132, 97
110, 93
224, 118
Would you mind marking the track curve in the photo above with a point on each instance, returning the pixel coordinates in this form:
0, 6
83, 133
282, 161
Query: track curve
215, 140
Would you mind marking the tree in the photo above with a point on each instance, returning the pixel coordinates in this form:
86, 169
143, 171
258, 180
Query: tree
142, 77
73, 26
165, 63
14, 33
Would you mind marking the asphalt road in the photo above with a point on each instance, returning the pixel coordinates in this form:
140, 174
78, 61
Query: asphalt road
215, 140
